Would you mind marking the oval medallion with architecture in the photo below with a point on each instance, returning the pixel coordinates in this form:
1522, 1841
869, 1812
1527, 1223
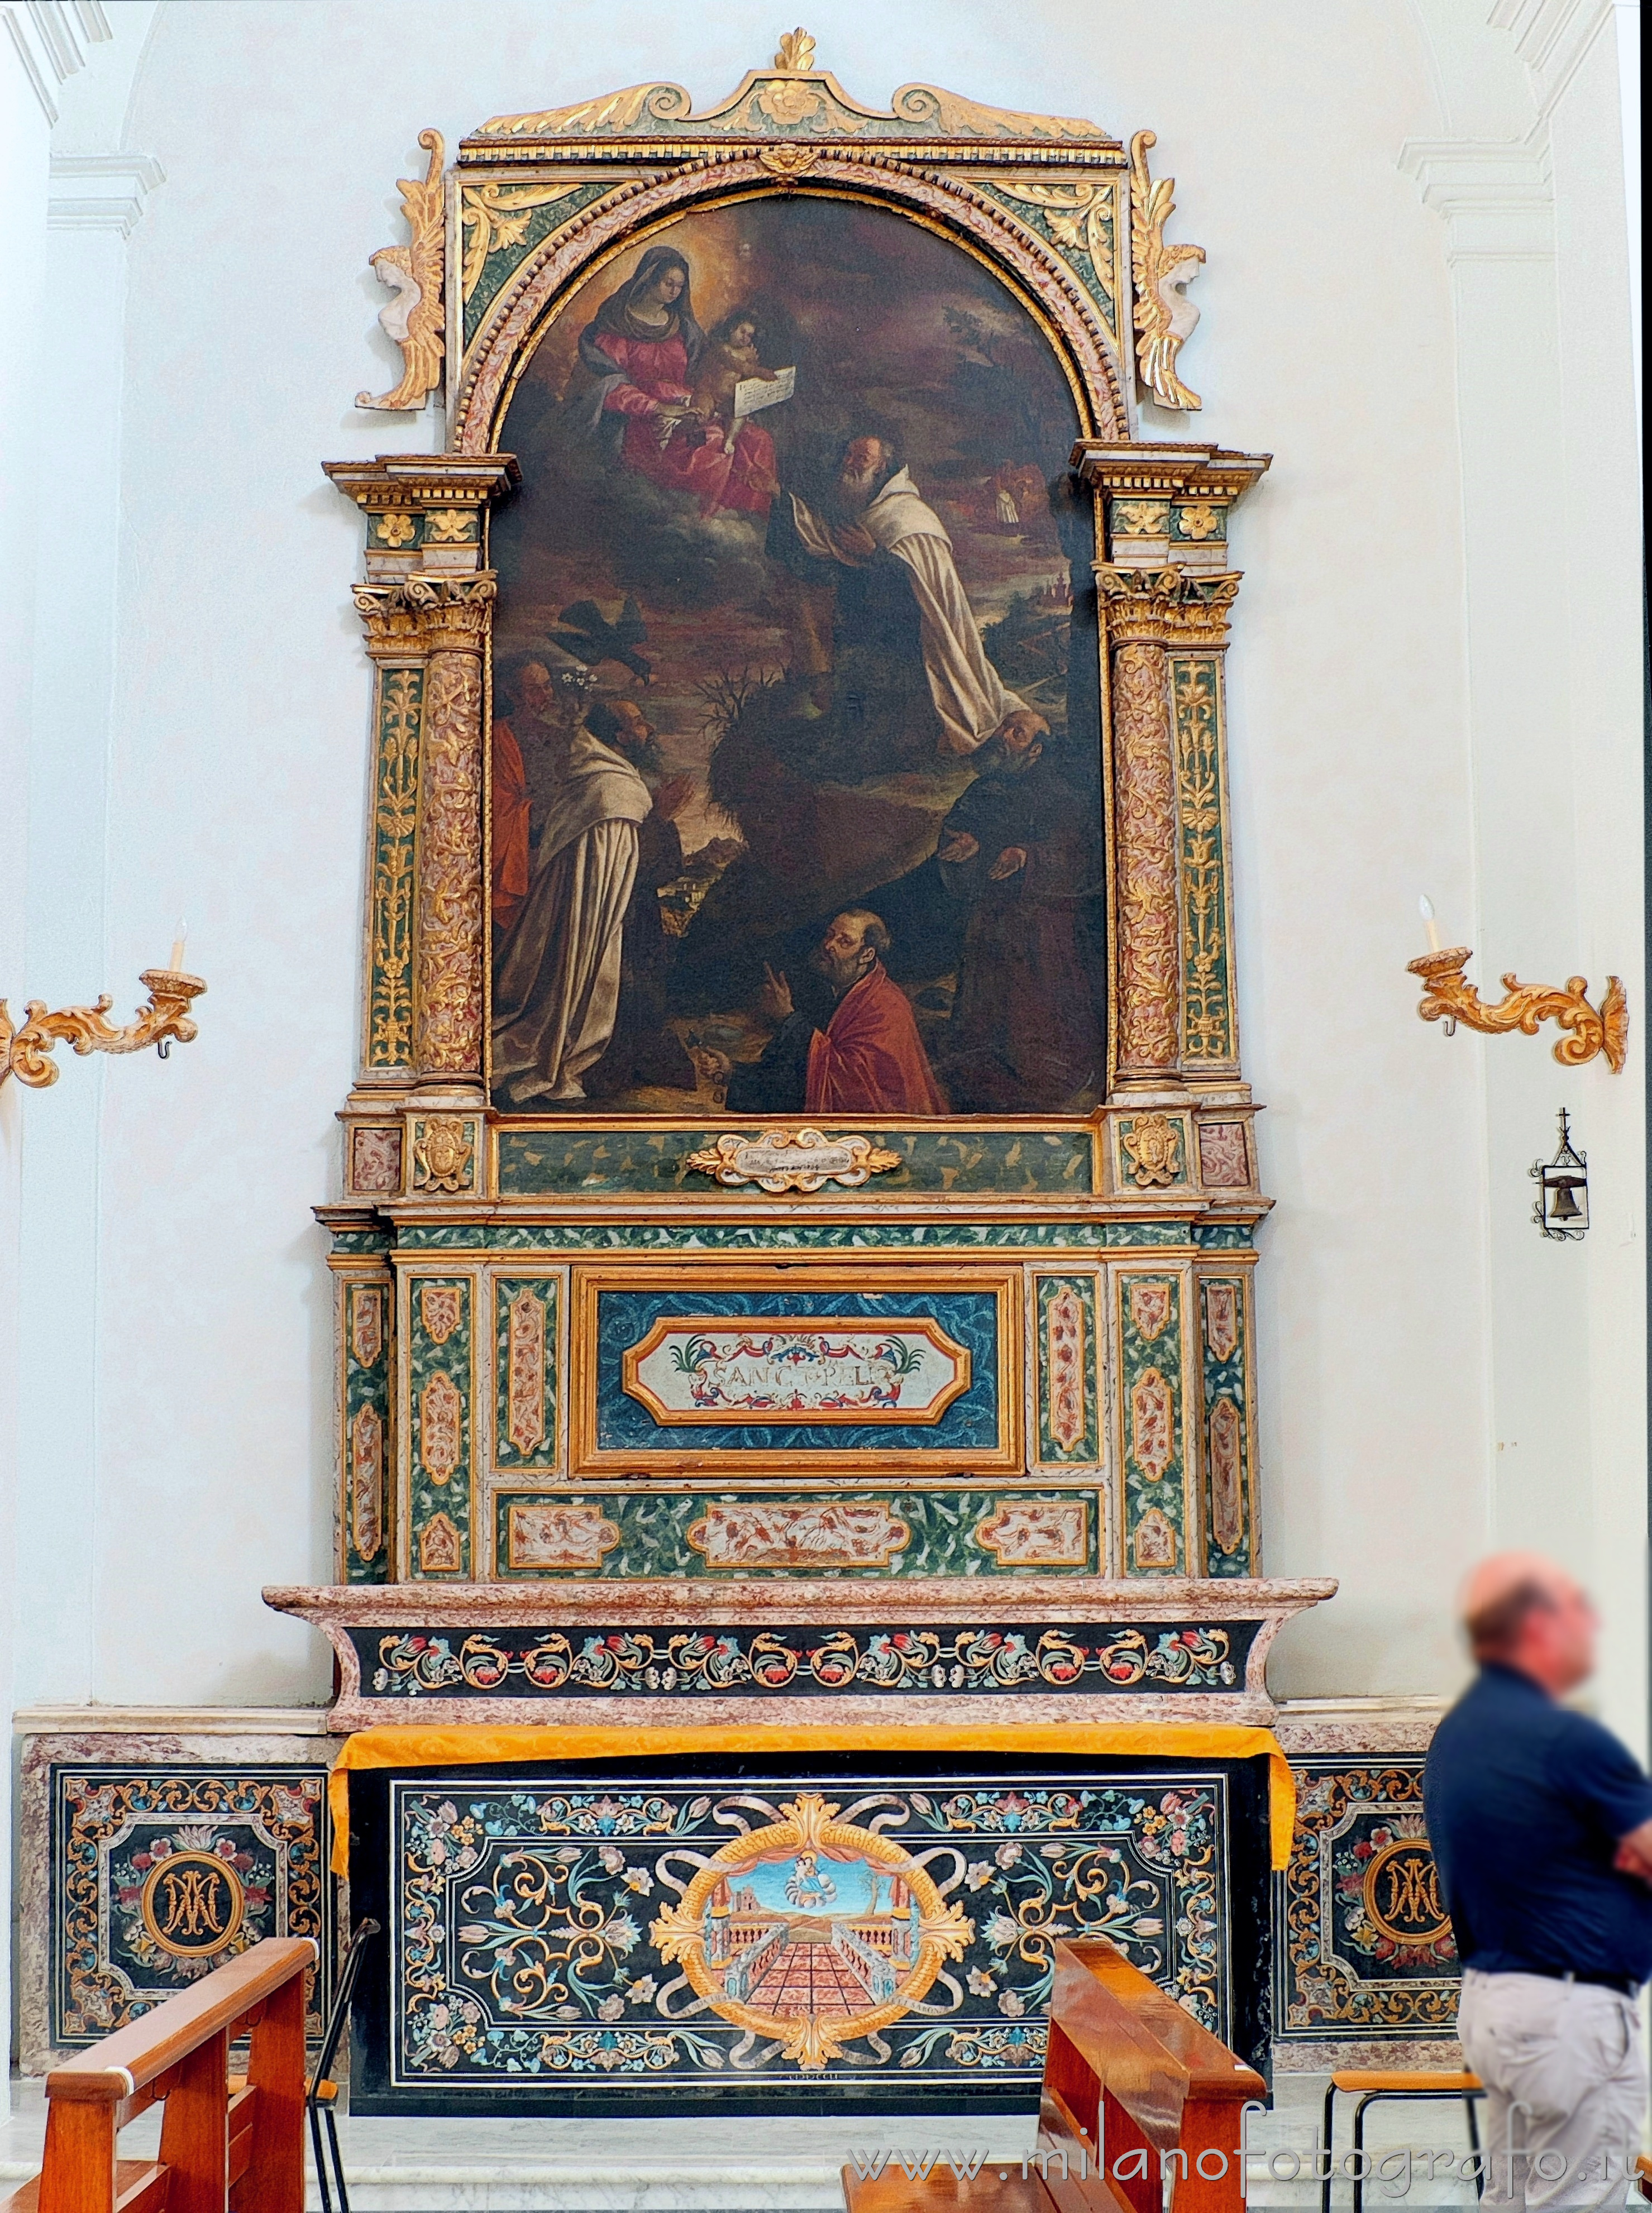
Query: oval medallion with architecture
813, 1930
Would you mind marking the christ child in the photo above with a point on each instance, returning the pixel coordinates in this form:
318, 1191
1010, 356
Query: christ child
730, 357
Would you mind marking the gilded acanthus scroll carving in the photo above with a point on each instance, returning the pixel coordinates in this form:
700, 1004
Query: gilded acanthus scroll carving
1448, 995
1145, 803
1146, 613
448, 998
442, 622
413, 272
791, 92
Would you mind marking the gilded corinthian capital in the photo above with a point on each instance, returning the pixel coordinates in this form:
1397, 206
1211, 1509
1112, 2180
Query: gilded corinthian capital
421, 615
1166, 606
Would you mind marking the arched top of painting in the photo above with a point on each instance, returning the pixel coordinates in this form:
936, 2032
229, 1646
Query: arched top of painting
796, 777
791, 98
1013, 237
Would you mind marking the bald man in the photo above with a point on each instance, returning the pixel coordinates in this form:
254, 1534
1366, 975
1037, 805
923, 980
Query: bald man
869, 1059
1541, 1825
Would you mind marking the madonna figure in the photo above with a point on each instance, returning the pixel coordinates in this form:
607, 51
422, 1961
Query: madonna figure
633, 395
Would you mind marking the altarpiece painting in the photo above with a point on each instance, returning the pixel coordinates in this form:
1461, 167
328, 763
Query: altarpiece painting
791, 739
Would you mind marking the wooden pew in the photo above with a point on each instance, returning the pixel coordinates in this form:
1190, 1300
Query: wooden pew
1130, 2078
229, 2144
1131, 2072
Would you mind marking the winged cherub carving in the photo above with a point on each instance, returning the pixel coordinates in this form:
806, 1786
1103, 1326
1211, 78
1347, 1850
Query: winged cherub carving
413, 272
1165, 316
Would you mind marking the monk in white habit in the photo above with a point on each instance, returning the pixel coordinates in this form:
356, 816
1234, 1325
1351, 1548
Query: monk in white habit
556, 989
875, 507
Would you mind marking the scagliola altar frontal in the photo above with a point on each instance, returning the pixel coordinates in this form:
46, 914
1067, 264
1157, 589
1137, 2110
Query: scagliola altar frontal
796, 1251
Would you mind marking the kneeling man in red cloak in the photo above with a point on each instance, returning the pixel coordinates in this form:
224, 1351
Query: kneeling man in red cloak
869, 1059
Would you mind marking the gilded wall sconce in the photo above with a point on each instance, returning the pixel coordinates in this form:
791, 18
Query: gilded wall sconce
1563, 1188
26, 1051
1449, 996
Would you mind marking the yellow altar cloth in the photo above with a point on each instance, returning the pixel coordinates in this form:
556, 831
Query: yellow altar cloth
408, 1747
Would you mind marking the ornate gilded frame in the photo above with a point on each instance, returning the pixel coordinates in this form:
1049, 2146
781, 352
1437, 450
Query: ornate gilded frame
1163, 1174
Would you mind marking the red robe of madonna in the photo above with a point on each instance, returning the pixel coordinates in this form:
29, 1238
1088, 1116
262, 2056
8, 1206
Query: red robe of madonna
869, 1059
724, 465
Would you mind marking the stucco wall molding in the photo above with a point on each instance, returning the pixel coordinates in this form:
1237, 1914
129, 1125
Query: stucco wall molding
50, 37
1552, 37
100, 192
1495, 196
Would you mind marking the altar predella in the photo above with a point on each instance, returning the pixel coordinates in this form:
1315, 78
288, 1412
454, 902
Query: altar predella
794, 1259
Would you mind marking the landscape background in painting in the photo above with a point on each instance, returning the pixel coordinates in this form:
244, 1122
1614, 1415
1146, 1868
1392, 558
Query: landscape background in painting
797, 753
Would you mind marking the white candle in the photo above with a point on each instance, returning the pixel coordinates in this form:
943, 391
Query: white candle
177, 944
1425, 908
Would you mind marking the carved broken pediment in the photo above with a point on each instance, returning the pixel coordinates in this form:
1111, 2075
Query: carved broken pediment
791, 96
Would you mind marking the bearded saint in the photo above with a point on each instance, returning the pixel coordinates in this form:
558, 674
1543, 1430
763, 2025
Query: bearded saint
869, 1059
873, 532
556, 984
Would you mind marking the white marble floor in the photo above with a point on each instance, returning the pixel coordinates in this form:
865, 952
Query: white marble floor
753, 2165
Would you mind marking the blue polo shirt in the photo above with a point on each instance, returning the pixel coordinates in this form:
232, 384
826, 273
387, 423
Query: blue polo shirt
1526, 1802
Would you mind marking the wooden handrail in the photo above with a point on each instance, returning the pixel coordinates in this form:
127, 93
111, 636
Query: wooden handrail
133, 2057
227, 2146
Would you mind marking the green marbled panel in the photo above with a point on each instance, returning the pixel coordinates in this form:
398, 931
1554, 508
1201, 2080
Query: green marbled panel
1200, 521
608, 1163
511, 242
1228, 1377
430, 1355
362, 1240
1069, 1448
654, 1533
1152, 1419
390, 893
790, 1236
1078, 223
1209, 1039
508, 1456
366, 1385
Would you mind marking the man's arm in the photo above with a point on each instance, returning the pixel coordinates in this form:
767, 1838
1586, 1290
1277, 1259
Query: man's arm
1634, 1853
1603, 1777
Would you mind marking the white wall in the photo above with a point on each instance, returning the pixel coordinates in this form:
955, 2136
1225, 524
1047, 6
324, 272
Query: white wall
25, 123
1424, 695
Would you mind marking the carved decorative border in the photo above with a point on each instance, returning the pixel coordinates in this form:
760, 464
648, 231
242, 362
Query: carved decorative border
632, 210
1209, 1041
389, 1041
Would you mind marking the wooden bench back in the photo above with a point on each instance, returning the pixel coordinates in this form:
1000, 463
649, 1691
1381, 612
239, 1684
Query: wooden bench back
224, 2148
1133, 2080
